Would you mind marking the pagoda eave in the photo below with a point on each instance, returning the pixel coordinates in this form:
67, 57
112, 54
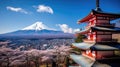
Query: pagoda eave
106, 29
105, 47
83, 61
83, 45
86, 19
105, 13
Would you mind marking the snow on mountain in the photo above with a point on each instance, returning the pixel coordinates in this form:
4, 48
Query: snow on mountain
37, 26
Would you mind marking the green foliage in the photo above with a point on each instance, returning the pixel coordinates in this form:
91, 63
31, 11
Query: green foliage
67, 62
79, 38
76, 51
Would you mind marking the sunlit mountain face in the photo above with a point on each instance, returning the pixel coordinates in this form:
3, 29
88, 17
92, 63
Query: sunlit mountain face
37, 30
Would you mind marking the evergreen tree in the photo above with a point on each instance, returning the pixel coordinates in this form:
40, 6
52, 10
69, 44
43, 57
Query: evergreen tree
67, 62
79, 38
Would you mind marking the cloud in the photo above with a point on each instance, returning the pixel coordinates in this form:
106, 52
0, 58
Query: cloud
43, 8
66, 29
16, 9
75, 30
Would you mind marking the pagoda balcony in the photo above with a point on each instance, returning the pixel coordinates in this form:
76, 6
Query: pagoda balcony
105, 24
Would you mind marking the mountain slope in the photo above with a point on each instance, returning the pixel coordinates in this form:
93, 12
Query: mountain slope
37, 30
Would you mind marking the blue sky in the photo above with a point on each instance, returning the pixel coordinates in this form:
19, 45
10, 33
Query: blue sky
17, 14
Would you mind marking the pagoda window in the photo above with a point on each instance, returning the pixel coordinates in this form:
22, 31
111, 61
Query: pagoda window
102, 21
104, 33
107, 32
104, 37
100, 32
103, 18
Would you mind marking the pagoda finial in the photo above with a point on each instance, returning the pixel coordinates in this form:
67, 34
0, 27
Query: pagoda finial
97, 6
97, 3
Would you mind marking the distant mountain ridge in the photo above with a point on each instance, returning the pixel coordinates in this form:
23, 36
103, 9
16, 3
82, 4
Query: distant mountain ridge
33, 32
37, 30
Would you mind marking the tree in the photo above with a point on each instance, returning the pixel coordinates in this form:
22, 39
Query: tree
35, 56
79, 38
61, 53
67, 62
8, 56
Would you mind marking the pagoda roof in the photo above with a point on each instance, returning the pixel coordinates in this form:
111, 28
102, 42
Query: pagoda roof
106, 46
98, 28
106, 29
94, 13
82, 60
83, 45
98, 46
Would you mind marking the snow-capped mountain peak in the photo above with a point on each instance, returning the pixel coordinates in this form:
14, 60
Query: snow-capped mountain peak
37, 26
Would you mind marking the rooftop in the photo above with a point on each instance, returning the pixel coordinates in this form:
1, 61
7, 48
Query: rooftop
98, 46
106, 29
82, 60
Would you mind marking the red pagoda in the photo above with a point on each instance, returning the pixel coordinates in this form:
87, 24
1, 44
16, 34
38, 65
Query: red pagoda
99, 46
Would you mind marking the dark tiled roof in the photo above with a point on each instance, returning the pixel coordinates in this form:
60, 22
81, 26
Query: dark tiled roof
82, 60
107, 29
100, 13
106, 46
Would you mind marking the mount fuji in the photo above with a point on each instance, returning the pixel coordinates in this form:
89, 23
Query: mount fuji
37, 30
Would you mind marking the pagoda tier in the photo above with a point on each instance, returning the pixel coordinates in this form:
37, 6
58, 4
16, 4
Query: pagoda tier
99, 28
99, 15
98, 51
99, 34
